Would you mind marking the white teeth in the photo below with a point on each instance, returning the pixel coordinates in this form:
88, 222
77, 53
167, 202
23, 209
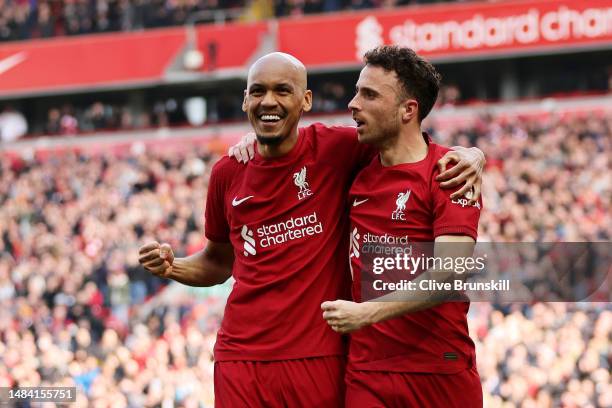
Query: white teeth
269, 117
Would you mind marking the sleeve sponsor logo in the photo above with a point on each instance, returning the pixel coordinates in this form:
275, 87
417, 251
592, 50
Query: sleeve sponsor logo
465, 200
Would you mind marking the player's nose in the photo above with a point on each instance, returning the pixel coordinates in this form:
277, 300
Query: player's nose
353, 104
268, 99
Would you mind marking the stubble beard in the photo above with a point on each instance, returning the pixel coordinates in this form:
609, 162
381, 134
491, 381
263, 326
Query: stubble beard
271, 141
384, 136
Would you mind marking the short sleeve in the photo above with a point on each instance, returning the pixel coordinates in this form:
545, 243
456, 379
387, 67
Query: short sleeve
454, 217
216, 226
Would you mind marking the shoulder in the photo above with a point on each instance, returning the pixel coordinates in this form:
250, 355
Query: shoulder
437, 152
319, 130
226, 164
339, 147
226, 168
328, 141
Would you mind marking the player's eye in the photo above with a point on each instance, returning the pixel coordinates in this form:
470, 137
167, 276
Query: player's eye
369, 93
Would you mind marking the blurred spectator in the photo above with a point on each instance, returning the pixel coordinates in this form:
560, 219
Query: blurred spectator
69, 125
98, 118
449, 95
127, 119
53, 126
331, 97
46, 21
13, 125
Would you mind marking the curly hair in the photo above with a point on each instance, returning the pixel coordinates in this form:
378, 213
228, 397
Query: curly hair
418, 77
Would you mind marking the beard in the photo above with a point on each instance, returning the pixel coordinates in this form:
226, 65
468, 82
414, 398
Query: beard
270, 140
382, 135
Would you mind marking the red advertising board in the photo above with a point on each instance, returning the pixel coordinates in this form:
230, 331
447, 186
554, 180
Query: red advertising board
455, 30
87, 61
116, 59
441, 31
234, 44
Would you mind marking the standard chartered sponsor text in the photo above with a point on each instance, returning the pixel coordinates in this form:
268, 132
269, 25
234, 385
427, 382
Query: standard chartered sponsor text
479, 31
293, 228
385, 245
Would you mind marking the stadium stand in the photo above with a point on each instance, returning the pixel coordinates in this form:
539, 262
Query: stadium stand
22, 20
72, 222
77, 309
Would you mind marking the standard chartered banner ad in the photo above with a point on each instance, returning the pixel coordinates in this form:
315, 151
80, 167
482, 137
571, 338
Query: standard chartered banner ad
389, 268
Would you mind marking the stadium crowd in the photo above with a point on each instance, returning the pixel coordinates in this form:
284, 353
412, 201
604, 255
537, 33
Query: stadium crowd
547, 179
22, 20
72, 294
71, 120
74, 118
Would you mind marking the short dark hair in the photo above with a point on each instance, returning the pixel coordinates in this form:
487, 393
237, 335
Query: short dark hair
419, 78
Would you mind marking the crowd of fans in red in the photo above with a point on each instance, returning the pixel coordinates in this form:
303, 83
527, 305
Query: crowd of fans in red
72, 293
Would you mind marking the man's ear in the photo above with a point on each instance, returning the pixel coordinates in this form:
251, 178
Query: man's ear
410, 110
307, 104
244, 101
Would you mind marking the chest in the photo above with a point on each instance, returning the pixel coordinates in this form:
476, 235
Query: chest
402, 207
264, 195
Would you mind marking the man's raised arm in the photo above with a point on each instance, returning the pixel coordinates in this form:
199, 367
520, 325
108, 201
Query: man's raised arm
207, 267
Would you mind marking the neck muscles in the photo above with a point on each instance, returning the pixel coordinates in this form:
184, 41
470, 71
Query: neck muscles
409, 148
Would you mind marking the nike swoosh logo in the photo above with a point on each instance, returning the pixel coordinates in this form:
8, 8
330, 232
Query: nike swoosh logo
236, 202
356, 203
11, 62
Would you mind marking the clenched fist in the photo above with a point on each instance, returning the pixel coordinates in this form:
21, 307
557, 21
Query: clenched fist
344, 316
157, 259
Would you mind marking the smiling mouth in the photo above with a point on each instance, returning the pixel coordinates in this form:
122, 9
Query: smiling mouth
359, 122
269, 118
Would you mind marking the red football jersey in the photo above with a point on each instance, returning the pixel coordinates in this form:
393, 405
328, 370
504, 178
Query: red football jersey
288, 223
406, 201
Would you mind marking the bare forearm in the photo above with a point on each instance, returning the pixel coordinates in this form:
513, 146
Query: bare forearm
409, 301
204, 268
401, 302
